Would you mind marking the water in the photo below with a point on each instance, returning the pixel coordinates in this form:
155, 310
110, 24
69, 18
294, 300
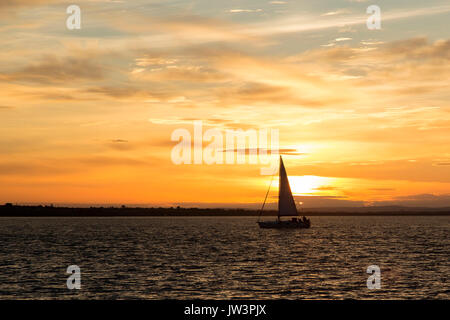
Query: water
224, 258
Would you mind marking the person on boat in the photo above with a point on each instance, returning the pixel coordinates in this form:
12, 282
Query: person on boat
306, 222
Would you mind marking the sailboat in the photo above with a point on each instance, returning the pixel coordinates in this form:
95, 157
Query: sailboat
286, 206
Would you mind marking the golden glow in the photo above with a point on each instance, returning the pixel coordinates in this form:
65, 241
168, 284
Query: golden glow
307, 185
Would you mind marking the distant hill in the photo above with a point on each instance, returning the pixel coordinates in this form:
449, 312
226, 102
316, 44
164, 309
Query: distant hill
380, 209
10, 210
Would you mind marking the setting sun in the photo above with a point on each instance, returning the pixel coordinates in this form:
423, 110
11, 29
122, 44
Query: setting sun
307, 185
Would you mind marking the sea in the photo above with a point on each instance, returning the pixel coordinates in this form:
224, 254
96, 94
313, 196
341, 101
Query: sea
224, 258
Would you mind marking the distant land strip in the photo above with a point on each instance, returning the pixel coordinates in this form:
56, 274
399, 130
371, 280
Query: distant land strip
10, 210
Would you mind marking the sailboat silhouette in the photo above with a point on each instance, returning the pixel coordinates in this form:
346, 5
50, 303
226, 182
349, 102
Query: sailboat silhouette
286, 206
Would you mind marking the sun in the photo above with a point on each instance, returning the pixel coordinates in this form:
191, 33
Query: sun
307, 185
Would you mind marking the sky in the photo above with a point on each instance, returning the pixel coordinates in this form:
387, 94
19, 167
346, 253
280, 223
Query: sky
87, 115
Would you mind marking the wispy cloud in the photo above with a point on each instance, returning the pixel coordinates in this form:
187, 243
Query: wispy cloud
244, 10
255, 151
308, 23
55, 69
337, 12
342, 39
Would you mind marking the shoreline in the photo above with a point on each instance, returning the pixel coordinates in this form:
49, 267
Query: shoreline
10, 210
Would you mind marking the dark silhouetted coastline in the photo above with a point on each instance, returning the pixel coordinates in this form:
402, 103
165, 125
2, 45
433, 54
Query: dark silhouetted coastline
10, 210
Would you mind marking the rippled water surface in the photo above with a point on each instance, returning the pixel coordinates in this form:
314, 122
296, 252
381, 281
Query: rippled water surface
222, 258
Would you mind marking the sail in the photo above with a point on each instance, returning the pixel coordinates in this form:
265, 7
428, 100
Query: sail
286, 204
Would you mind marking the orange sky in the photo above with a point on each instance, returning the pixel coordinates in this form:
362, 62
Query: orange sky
86, 116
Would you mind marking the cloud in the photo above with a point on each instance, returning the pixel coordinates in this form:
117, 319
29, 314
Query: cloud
413, 66
121, 145
421, 170
28, 169
326, 188
131, 91
216, 123
342, 39
25, 2
259, 93
65, 166
310, 23
337, 12
182, 30
182, 73
418, 48
419, 200
235, 78
442, 163
100, 161
115, 92
281, 151
413, 49
244, 10
20, 3
52, 69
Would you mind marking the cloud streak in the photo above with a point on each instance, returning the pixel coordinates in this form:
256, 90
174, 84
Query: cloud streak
52, 69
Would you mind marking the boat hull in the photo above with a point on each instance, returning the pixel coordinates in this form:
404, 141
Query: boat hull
283, 225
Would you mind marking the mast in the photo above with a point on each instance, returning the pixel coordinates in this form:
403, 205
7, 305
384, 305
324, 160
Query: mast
279, 186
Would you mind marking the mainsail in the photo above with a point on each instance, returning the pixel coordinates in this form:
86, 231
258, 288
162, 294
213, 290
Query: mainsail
286, 204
